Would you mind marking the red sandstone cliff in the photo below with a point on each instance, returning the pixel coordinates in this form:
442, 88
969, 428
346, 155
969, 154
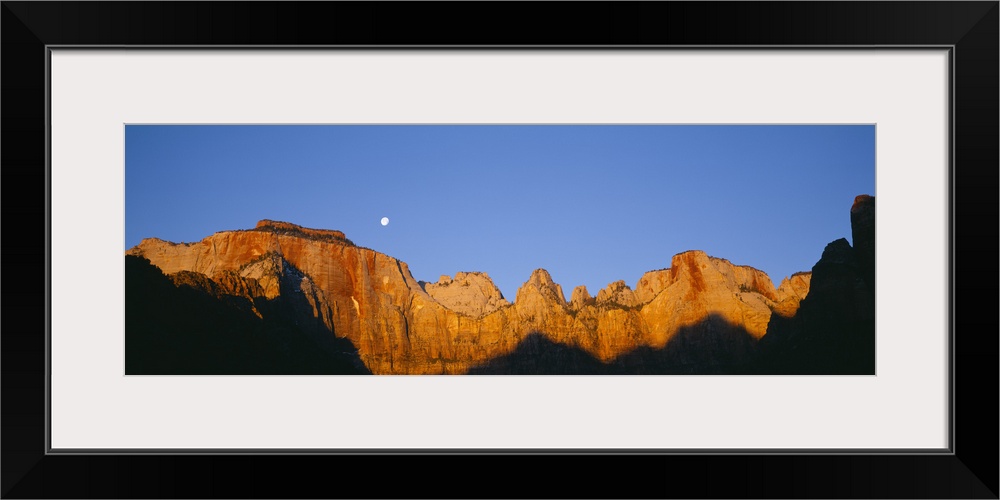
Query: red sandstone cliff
461, 323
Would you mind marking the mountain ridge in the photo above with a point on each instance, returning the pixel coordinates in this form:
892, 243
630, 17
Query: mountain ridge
400, 325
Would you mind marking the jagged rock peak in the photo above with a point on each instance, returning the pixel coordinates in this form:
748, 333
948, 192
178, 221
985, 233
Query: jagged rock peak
580, 297
617, 293
297, 230
472, 294
540, 277
541, 282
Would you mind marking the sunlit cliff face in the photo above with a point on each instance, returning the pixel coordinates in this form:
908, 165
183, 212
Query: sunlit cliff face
403, 326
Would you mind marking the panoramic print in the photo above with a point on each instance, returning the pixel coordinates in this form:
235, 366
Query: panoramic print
499, 249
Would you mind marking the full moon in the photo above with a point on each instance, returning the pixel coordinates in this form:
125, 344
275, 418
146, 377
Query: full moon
385, 221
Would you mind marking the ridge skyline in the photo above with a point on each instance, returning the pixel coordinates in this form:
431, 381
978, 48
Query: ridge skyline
264, 224
289, 290
591, 204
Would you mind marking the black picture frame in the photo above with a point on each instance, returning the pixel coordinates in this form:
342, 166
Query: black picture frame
969, 28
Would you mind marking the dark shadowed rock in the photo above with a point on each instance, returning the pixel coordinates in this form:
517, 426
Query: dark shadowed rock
833, 331
189, 324
863, 234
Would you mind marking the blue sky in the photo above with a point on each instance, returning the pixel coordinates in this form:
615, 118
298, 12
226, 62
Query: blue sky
591, 204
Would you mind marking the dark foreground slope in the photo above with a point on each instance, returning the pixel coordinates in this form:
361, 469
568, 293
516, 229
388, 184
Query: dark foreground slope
186, 330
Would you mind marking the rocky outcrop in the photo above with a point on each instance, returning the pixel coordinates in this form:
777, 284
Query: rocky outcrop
797, 286
540, 291
702, 286
459, 324
580, 298
471, 294
863, 235
617, 294
790, 293
747, 279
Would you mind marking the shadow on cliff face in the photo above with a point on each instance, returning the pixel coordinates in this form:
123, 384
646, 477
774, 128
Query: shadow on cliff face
535, 354
711, 346
832, 333
181, 330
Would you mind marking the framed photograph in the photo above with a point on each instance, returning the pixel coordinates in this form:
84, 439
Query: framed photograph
296, 206
308, 301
